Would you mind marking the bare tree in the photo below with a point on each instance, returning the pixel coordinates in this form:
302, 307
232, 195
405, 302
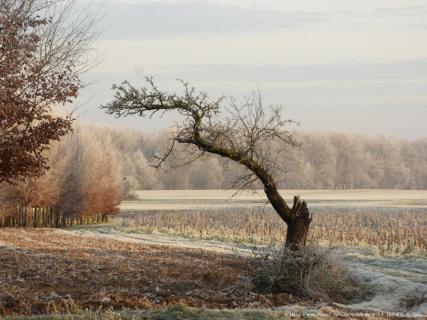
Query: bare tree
44, 47
243, 133
90, 182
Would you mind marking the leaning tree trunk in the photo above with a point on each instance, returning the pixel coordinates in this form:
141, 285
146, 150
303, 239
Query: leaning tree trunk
297, 218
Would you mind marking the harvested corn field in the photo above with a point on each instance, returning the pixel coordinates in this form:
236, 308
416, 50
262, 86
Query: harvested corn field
388, 230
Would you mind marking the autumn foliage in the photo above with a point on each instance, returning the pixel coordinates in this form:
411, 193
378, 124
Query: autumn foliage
83, 185
40, 59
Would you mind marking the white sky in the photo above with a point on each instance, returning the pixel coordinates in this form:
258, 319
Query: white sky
335, 65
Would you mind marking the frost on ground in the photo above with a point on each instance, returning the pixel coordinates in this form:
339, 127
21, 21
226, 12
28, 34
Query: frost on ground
398, 284
45, 271
50, 271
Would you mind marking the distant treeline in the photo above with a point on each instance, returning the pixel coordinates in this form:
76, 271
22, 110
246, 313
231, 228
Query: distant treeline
93, 168
326, 160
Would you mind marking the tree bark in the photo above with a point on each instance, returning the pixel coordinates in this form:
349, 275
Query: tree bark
296, 236
297, 218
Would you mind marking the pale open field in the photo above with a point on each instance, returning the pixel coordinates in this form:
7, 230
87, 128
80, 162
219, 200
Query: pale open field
186, 199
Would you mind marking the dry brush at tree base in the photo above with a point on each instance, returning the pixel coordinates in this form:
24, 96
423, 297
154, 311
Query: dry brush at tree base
388, 230
312, 273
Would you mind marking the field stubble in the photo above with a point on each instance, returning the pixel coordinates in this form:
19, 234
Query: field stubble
389, 230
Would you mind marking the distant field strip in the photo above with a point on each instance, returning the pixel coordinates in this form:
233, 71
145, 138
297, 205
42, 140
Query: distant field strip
186, 199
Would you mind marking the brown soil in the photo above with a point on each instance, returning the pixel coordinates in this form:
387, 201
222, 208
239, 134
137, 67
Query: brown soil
48, 271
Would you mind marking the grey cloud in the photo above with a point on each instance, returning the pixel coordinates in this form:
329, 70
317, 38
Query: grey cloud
398, 71
402, 11
383, 97
156, 20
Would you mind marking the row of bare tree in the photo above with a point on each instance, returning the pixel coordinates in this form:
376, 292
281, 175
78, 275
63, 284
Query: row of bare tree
327, 160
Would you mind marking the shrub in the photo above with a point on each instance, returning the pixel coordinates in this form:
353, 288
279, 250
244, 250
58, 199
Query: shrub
314, 273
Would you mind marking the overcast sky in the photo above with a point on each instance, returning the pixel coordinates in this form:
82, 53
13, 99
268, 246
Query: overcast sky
358, 66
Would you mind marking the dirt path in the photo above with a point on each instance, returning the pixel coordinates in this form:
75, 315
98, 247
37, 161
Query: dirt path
109, 231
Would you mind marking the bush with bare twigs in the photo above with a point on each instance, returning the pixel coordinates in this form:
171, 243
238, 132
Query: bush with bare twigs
314, 273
